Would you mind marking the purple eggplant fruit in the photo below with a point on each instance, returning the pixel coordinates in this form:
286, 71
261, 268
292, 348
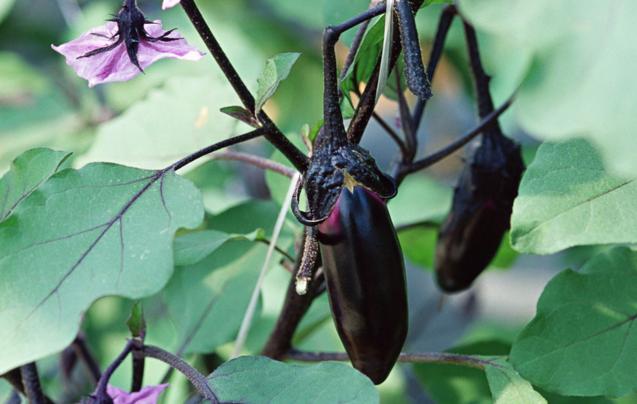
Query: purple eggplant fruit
365, 276
480, 214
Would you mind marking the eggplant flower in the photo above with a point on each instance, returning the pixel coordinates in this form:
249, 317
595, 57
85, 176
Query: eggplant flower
123, 47
147, 395
169, 3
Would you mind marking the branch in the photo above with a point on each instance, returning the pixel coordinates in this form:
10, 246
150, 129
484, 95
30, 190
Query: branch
82, 351
272, 133
464, 139
199, 381
31, 382
424, 357
101, 393
213, 148
256, 161
446, 18
391, 132
294, 308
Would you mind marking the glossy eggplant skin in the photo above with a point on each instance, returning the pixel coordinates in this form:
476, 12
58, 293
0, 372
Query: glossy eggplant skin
480, 214
365, 275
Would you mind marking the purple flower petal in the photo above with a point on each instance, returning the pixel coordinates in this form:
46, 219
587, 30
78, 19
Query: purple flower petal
169, 4
147, 395
115, 65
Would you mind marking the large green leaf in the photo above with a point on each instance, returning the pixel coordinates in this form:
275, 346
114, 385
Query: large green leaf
567, 198
262, 380
170, 123
275, 71
5, 7
102, 230
194, 247
581, 62
582, 340
507, 387
206, 301
28, 171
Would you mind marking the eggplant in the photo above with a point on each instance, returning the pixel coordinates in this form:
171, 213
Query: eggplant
480, 213
365, 275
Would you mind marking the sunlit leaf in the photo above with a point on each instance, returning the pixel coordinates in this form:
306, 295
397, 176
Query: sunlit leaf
276, 70
507, 387
567, 198
582, 340
102, 230
262, 380
580, 67
28, 171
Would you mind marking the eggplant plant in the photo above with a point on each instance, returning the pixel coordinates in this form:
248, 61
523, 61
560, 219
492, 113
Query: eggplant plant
347, 315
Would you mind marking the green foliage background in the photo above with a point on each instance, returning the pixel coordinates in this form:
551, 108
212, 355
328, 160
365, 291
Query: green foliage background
190, 247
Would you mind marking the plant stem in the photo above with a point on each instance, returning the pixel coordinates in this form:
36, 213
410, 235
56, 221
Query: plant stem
391, 132
256, 161
214, 147
480, 77
101, 390
423, 357
446, 18
31, 383
272, 133
199, 381
463, 140
139, 364
294, 308
82, 351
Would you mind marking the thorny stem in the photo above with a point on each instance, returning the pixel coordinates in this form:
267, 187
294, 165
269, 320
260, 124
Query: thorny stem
272, 133
82, 351
256, 161
463, 140
424, 357
198, 380
31, 383
102, 385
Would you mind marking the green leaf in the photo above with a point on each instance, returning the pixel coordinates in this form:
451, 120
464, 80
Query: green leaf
261, 380
366, 57
566, 199
28, 171
170, 123
102, 230
136, 322
276, 70
582, 340
507, 387
193, 247
206, 301
575, 84
241, 114
420, 199
5, 7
